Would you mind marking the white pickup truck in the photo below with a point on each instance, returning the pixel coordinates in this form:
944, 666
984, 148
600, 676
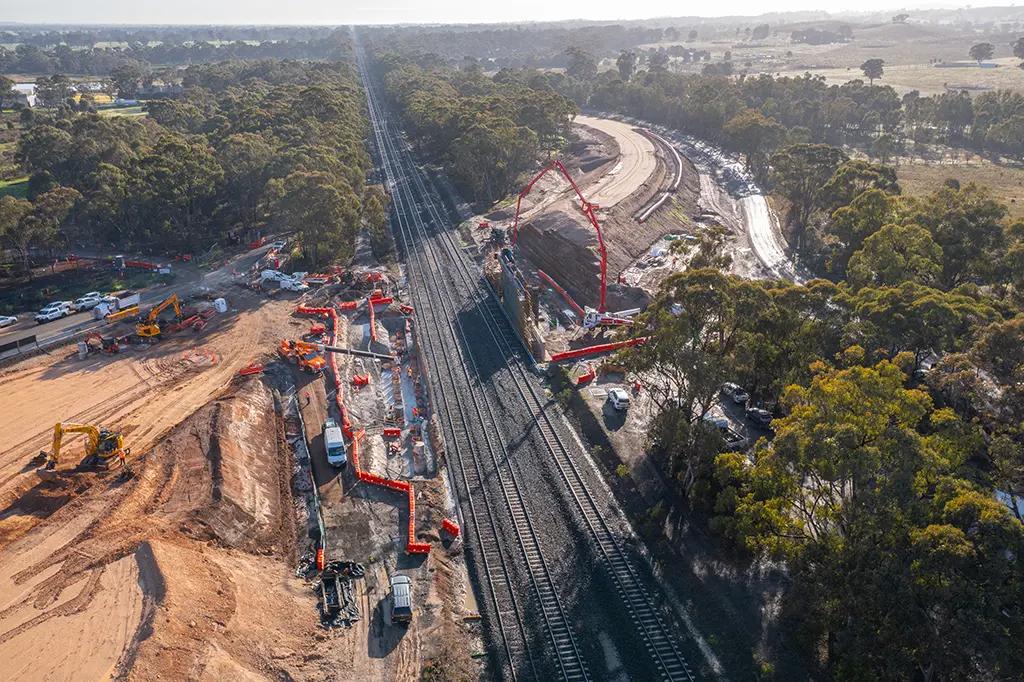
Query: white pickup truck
286, 282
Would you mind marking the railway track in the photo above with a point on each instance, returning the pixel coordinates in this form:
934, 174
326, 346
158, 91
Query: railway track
461, 412
433, 253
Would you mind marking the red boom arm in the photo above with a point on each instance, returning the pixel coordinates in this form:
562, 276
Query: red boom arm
588, 210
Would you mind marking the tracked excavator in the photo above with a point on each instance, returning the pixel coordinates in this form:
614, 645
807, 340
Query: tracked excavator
150, 327
102, 446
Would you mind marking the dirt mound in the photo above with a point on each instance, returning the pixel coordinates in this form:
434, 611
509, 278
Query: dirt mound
142, 392
591, 150
146, 574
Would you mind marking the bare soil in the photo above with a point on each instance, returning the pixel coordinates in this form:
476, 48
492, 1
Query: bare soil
560, 240
186, 570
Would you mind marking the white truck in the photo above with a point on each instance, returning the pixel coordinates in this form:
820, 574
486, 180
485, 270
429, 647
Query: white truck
285, 282
119, 300
733, 439
334, 443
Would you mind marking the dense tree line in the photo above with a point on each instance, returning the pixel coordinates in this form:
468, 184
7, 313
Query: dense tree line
248, 144
486, 131
759, 113
31, 58
898, 402
514, 46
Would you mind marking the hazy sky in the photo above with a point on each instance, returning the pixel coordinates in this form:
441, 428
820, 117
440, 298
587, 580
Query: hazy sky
398, 11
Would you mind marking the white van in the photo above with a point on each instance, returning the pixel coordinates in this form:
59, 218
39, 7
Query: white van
334, 443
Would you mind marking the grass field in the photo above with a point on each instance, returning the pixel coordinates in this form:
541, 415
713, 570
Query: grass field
16, 187
929, 80
123, 111
1005, 184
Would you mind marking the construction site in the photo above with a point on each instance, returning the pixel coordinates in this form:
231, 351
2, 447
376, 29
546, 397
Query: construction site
249, 479
169, 509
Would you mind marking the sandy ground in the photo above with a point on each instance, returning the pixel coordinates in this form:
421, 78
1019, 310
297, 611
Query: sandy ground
141, 392
634, 167
134, 577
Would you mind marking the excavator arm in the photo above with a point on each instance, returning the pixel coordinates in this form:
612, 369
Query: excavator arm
91, 432
150, 327
588, 211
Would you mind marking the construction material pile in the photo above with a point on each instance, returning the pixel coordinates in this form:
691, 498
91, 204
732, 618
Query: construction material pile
338, 606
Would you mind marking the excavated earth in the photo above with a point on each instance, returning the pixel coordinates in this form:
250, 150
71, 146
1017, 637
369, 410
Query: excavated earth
557, 237
186, 569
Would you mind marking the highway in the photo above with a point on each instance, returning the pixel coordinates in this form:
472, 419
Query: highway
561, 580
189, 281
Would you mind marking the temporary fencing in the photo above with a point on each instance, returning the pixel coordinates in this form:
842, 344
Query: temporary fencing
411, 546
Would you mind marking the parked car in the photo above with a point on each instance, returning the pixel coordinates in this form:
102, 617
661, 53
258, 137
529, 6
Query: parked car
334, 443
400, 601
734, 391
53, 311
619, 399
759, 416
734, 440
7, 320
88, 301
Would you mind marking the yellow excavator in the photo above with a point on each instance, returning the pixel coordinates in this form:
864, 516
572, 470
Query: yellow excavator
150, 327
102, 444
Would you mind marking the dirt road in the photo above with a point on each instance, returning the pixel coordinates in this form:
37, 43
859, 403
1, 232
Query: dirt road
636, 163
766, 239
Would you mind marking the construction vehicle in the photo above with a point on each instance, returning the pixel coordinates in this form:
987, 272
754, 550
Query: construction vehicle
117, 302
94, 341
102, 447
305, 355
289, 348
150, 327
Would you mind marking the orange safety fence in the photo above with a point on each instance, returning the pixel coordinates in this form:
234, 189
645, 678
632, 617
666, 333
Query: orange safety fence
450, 527
373, 323
411, 546
254, 368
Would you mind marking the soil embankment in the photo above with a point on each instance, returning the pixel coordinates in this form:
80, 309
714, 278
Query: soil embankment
153, 576
557, 237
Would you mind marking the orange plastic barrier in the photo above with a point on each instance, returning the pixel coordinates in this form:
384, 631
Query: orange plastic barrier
360, 379
599, 348
348, 305
407, 309
411, 546
319, 558
392, 432
383, 300
450, 527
